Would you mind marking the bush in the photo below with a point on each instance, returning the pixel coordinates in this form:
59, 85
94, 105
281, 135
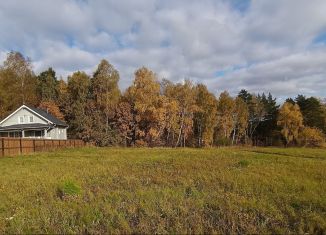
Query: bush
223, 141
140, 143
311, 137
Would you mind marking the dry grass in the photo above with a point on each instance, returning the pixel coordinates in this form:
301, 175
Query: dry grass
113, 190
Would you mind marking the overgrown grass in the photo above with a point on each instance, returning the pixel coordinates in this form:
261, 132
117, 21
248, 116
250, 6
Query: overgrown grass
113, 190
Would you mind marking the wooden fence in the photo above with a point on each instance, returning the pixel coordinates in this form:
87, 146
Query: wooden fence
17, 146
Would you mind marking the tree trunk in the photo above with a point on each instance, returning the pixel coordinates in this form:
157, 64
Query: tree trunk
180, 131
233, 137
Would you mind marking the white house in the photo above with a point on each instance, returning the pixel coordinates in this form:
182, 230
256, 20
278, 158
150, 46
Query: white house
29, 122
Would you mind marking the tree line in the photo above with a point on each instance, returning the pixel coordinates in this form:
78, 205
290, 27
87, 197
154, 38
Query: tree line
153, 112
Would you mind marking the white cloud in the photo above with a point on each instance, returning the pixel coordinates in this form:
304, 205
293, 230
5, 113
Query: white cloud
287, 76
177, 39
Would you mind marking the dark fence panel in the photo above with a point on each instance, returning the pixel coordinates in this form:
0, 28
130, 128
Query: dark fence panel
17, 146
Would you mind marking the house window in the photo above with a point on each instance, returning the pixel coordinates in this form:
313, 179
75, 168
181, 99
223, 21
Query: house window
21, 119
31, 119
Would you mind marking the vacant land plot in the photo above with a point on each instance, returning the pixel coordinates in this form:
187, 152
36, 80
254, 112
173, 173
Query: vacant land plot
90, 190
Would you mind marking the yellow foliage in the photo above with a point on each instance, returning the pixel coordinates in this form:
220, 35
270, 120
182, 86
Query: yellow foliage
312, 137
291, 121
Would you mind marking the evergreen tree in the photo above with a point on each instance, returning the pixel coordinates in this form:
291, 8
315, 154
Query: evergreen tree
312, 111
47, 86
245, 96
267, 129
105, 97
78, 109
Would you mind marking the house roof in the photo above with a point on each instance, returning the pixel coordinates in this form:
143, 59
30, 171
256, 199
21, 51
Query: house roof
48, 116
30, 126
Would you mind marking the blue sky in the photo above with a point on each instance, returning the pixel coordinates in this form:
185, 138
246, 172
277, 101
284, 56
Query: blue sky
274, 46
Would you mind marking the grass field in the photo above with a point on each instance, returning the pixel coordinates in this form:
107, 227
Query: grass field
112, 190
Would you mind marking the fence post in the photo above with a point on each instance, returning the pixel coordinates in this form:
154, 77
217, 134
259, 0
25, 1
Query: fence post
3, 146
34, 150
20, 145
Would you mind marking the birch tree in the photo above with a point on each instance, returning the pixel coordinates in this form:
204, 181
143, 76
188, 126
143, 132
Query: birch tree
290, 120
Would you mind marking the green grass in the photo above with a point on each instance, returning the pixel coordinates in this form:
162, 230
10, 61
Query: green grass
112, 190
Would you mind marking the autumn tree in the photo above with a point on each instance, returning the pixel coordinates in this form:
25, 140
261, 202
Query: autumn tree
52, 108
18, 83
257, 114
205, 118
311, 137
184, 94
24, 79
145, 101
62, 88
232, 119
225, 111
172, 116
171, 121
8, 101
240, 120
105, 94
290, 120
125, 122
105, 89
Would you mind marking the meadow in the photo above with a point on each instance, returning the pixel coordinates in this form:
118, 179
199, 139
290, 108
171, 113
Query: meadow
129, 190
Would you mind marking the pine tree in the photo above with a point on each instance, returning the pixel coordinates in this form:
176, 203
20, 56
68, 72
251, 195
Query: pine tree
47, 86
312, 111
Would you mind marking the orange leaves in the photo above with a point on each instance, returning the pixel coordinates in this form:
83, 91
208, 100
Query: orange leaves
52, 108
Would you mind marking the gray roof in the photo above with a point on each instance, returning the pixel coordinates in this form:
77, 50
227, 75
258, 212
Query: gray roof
30, 126
48, 116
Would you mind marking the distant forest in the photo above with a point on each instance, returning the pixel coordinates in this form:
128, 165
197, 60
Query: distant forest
159, 113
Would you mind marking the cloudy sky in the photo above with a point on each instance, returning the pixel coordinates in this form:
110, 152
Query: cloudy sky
276, 46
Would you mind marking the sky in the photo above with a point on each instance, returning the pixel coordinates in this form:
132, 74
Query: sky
276, 46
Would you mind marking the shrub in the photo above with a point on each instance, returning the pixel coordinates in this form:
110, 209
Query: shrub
140, 143
311, 137
223, 141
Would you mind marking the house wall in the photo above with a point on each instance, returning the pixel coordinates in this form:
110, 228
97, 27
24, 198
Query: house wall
57, 133
14, 119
